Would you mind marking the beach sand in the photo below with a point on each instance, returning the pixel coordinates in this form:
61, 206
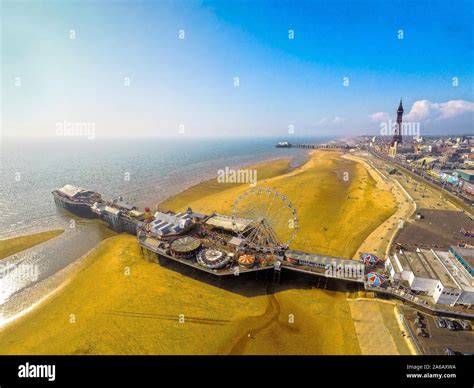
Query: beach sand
335, 199
379, 241
119, 303
378, 329
14, 245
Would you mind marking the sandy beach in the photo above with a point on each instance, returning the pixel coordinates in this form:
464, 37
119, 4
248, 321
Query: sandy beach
14, 245
119, 303
380, 239
330, 206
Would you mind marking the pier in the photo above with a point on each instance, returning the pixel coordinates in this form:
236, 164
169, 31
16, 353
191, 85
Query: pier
120, 217
336, 146
152, 254
208, 243
213, 234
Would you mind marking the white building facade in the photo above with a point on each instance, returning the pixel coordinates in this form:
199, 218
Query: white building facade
433, 273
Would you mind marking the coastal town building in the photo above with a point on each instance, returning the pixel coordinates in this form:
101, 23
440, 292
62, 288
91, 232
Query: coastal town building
397, 136
433, 273
397, 145
466, 175
445, 161
465, 256
426, 163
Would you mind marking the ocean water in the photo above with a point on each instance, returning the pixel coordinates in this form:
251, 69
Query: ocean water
144, 171
156, 168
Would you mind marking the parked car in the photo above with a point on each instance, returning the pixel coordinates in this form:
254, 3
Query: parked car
457, 325
466, 325
449, 352
419, 323
419, 315
421, 332
450, 325
441, 323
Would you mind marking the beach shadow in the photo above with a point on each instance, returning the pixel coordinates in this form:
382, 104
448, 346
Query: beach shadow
253, 284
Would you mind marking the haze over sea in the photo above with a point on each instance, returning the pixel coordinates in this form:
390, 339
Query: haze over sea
156, 167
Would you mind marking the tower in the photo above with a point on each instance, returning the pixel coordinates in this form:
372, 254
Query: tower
397, 136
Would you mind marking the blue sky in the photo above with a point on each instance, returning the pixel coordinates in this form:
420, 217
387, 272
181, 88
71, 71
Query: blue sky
48, 78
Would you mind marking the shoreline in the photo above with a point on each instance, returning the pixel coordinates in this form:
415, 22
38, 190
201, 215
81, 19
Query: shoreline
17, 244
286, 161
74, 267
384, 230
244, 165
319, 165
173, 202
153, 177
59, 280
48, 260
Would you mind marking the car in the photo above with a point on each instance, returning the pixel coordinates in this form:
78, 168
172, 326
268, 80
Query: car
419, 315
441, 323
466, 325
450, 325
457, 325
449, 352
422, 333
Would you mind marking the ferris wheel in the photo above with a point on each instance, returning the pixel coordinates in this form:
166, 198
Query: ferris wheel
265, 219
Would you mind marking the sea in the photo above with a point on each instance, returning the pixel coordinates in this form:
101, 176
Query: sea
142, 171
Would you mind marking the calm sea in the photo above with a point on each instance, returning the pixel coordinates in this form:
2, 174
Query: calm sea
144, 172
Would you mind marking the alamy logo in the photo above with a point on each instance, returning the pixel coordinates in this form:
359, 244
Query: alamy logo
349, 271
408, 128
31, 371
79, 129
229, 175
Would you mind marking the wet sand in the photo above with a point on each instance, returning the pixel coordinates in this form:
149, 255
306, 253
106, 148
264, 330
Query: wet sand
14, 245
119, 303
335, 198
28, 276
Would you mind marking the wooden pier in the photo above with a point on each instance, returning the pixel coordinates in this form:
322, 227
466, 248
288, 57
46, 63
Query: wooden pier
121, 217
151, 251
118, 217
336, 147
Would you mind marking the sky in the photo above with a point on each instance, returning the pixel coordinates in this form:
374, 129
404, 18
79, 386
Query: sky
235, 68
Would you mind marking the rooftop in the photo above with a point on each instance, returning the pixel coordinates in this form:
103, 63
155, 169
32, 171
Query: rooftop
73, 191
185, 244
319, 259
461, 276
119, 202
112, 210
470, 172
227, 223
426, 160
439, 270
235, 241
412, 261
166, 223
466, 253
